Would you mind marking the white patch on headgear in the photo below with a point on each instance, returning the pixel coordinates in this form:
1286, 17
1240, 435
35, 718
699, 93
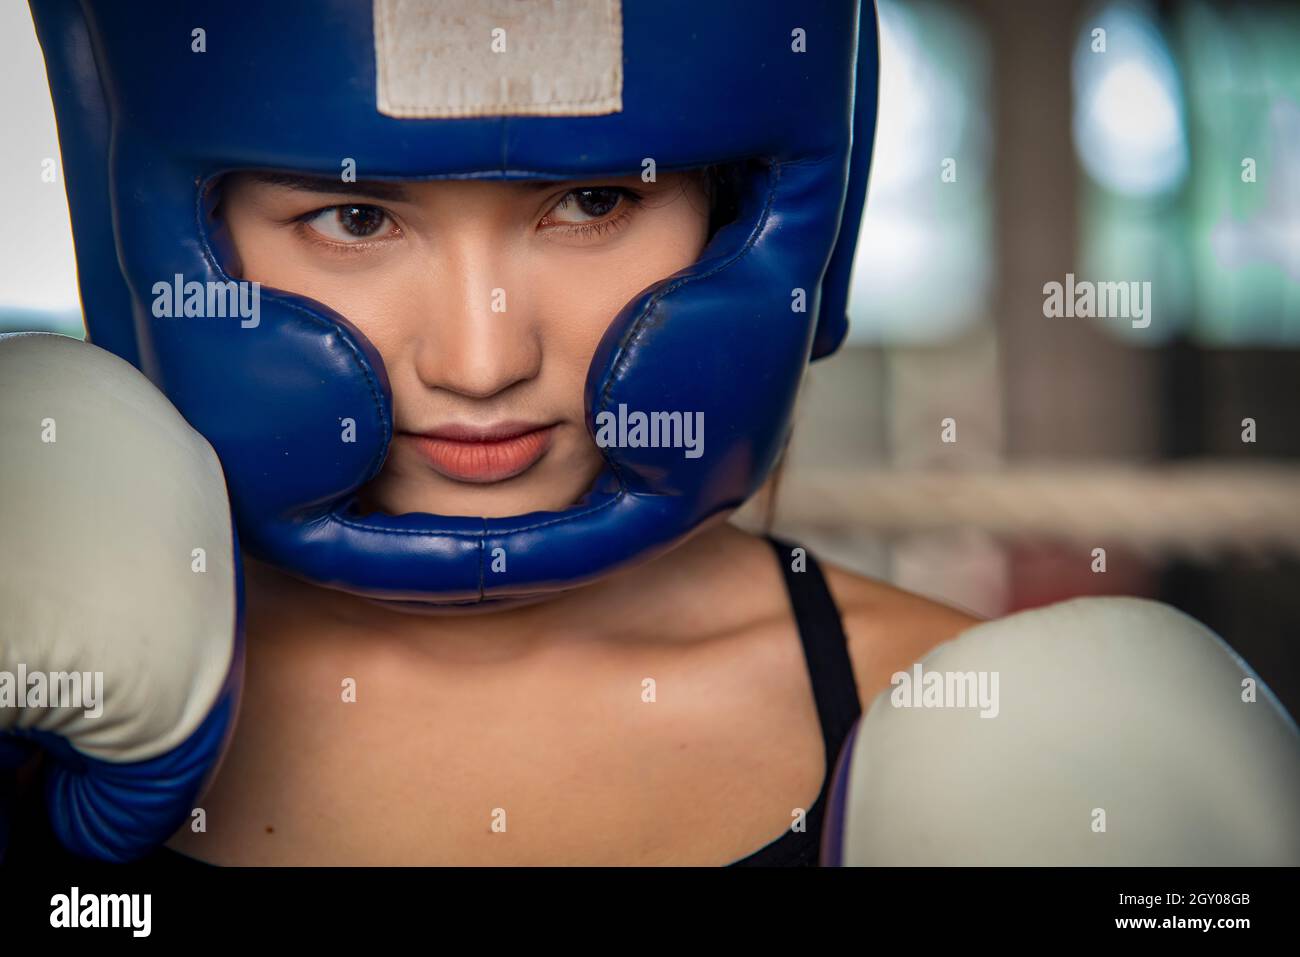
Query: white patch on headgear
435, 58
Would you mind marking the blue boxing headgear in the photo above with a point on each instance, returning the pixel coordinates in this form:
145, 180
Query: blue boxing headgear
148, 124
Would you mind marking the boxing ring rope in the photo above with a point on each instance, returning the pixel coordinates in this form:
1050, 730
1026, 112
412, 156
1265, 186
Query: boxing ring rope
1196, 509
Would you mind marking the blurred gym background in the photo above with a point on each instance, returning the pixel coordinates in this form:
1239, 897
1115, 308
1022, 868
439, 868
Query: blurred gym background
1126, 164
1019, 142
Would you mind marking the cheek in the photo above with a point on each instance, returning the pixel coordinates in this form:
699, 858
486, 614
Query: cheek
383, 304
581, 295
373, 299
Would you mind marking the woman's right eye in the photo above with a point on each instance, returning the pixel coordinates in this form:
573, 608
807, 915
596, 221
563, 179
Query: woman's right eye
349, 224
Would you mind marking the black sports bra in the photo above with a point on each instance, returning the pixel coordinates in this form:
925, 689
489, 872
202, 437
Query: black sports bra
826, 651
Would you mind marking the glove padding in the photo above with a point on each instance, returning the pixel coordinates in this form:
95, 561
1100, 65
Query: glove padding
99, 573
1121, 737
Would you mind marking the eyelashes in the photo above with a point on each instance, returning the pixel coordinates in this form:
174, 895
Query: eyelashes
612, 222
304, 229
326, 226
320, 225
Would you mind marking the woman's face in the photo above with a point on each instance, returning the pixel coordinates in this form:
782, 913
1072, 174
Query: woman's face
486, 301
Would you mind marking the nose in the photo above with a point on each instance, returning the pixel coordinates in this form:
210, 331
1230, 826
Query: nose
481, 337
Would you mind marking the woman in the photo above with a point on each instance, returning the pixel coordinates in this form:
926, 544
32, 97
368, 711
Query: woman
538, 710
527, 248
493, 313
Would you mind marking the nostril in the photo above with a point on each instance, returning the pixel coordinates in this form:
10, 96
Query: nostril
474, 380
477, 364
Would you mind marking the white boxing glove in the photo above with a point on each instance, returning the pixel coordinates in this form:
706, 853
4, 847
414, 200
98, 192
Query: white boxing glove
1117, 731
120, 648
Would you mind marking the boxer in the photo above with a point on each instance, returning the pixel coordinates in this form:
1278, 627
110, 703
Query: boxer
481, 629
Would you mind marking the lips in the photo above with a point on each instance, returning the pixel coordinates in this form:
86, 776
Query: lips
482, 455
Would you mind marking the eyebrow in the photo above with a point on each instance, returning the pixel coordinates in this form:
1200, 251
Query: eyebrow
324, 184
376, 189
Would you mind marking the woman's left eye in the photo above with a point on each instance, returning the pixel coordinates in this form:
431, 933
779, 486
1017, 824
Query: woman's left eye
350, 224
586, 205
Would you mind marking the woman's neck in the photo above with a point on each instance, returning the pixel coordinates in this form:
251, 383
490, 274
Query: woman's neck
631, 597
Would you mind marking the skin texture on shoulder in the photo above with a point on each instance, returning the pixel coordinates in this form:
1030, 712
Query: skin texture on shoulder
889, 629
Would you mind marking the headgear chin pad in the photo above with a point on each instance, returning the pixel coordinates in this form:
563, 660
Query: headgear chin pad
149, 123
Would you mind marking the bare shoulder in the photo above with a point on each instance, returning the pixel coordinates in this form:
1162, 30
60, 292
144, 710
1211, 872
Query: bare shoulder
728, 582
888, 629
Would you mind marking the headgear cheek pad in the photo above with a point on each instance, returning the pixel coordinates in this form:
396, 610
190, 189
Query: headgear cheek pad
156, 100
